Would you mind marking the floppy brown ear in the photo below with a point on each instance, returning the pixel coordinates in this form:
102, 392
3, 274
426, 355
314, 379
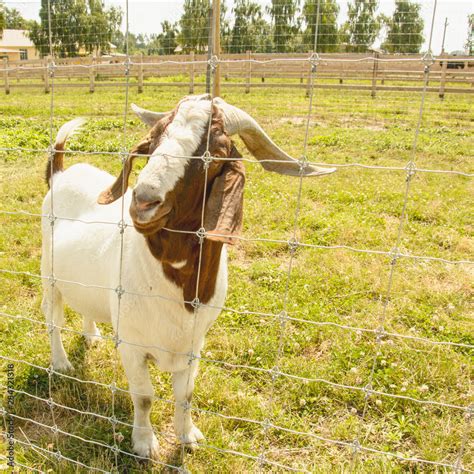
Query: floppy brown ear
224, 208
120, 185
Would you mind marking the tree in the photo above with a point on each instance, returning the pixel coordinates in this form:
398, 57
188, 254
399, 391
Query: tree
286, 23
470, 35
250, 30
2, 19
168, 37
14, 20
194, 26
76, 26
405, 28
328, 38
362, 27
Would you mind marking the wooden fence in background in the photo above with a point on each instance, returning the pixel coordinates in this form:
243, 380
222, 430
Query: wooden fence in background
336, 71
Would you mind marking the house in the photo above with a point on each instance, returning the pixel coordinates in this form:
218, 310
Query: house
15, 45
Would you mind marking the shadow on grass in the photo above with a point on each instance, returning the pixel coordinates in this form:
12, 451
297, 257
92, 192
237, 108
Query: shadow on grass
89, 436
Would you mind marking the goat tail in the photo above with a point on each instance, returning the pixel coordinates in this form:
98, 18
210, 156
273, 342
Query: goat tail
56, 160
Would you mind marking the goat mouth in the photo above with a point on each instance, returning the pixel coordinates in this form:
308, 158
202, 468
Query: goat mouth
150, 226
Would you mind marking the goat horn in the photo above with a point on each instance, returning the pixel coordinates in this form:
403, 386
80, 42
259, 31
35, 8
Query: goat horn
261, 145
147, 116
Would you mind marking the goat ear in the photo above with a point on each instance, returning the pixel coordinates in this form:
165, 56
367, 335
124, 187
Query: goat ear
224, 208
119, 187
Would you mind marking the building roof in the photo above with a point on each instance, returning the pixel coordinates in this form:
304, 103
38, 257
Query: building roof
15, 39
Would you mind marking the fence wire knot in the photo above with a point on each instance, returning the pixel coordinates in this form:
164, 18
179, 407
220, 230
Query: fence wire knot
282, 317
51, 152
186, 405
411, 170
394, 255
368, 390
58, 455
201, 234
51, 68
355, 446
191, 357
52, 219
293, 244
428, 60
113, 420
3, 412
116, 341
207, 159
213, 62
262, 460
380, 333
123, 153
51, 327
54, 428
127, 64
196, 303
113, 387
275, 371
120, 291
52, 281
314, 60
303, 164
121, 225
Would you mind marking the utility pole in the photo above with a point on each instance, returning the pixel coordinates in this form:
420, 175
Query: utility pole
214, 48
209, 49
444, 34
216, 11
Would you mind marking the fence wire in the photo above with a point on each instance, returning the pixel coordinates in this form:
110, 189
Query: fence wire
354, 448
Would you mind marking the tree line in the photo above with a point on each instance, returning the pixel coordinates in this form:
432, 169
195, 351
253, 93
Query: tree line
87, 26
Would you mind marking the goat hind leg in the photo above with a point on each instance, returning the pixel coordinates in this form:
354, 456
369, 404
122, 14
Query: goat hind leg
52, 306
91, 332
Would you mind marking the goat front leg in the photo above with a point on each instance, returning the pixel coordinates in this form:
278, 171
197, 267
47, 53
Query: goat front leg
183, 386
136, 369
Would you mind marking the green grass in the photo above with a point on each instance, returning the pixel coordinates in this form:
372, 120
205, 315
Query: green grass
356, 207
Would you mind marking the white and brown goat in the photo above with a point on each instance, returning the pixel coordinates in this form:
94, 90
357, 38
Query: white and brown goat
169, 194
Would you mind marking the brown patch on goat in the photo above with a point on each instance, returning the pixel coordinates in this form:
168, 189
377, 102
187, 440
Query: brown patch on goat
223, 215
56, 164
144, 403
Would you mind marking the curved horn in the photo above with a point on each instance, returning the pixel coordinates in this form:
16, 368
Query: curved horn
261, 145
147, 116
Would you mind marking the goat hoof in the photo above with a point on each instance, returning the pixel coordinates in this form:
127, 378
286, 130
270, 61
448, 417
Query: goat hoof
147, 447
62, 366
92, 340
192, 438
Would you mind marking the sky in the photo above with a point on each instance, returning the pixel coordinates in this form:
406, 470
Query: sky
145, 16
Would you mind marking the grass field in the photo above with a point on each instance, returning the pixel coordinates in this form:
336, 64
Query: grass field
355, 207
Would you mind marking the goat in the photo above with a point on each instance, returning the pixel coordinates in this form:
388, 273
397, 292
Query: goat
170, 194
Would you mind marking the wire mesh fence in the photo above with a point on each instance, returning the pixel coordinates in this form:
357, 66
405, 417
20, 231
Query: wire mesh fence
264, 430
